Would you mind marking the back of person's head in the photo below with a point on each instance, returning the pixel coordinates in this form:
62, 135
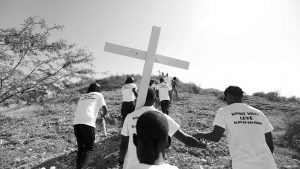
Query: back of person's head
234, 91
151, 135
150, 98
94, 87
151, 82
129, 80
161, 80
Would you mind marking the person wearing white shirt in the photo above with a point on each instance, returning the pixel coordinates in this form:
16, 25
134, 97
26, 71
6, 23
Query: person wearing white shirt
152, 85
128, 156
168, 79
151, 140
129, 95
248, 132
85, 123
164, 93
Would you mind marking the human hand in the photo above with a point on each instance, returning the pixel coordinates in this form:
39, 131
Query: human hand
202, 144
198, 136
103, 115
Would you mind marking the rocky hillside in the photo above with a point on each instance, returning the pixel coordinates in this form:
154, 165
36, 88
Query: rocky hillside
42, 136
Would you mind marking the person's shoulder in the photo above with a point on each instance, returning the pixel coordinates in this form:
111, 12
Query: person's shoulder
132, 113
169, 118
169, 166
253, 109
132, 84
95, 93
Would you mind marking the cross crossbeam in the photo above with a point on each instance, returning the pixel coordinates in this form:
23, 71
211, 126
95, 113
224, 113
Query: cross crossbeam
150, 57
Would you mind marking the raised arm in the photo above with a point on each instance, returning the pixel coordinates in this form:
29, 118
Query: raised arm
215, 135
188, 140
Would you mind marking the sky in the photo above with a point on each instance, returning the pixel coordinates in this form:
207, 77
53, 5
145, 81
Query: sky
252, 44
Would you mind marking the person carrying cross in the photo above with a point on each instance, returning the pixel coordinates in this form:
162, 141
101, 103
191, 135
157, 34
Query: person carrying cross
127, 155
248, 132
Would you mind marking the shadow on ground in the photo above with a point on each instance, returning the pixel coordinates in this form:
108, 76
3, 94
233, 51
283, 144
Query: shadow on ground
105, 156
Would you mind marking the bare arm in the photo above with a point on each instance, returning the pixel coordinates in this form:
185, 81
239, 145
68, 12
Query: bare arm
135, 92
170, 95
215, 135
269, 140
104, 109
188, 140
123, 149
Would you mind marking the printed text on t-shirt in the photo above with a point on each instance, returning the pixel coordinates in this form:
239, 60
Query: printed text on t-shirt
245, 118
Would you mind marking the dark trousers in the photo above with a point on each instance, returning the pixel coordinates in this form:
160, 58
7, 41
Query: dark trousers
165, 105
85, 136
127, 107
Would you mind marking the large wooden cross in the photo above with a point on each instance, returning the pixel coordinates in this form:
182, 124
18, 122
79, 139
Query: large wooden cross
150, 57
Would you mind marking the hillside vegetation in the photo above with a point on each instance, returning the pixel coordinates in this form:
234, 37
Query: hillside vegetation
41, 135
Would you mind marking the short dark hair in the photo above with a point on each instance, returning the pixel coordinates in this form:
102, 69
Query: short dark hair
152, 126
94, 87
129, 80
151, 95
234, 91
151, 82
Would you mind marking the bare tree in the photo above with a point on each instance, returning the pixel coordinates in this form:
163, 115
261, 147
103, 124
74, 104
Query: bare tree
29, 61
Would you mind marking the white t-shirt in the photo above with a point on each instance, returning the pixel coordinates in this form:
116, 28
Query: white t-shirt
147, 166
168, 80
88, 107
129, 129
163, 89
245, 129
127, 93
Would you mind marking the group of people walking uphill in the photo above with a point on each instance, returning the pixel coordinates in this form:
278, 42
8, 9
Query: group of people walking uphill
147, 132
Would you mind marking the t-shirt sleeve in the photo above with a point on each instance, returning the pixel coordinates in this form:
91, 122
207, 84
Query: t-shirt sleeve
125, 131
101, 100
134, 86
173, 125
220, 119
267, 124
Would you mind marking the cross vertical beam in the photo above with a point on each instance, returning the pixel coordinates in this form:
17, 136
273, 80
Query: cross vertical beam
148, 66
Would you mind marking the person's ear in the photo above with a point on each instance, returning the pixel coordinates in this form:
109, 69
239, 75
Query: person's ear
169, 142
135, 140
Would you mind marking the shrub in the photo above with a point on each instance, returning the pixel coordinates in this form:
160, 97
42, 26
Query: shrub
271, 96
293, 99
292, 134
115, 81
190, 88
259, 94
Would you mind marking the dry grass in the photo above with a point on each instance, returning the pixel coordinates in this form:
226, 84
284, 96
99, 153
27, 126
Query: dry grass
36, 137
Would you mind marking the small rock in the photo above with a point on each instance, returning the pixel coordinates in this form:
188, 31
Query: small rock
203, 161
290, 167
